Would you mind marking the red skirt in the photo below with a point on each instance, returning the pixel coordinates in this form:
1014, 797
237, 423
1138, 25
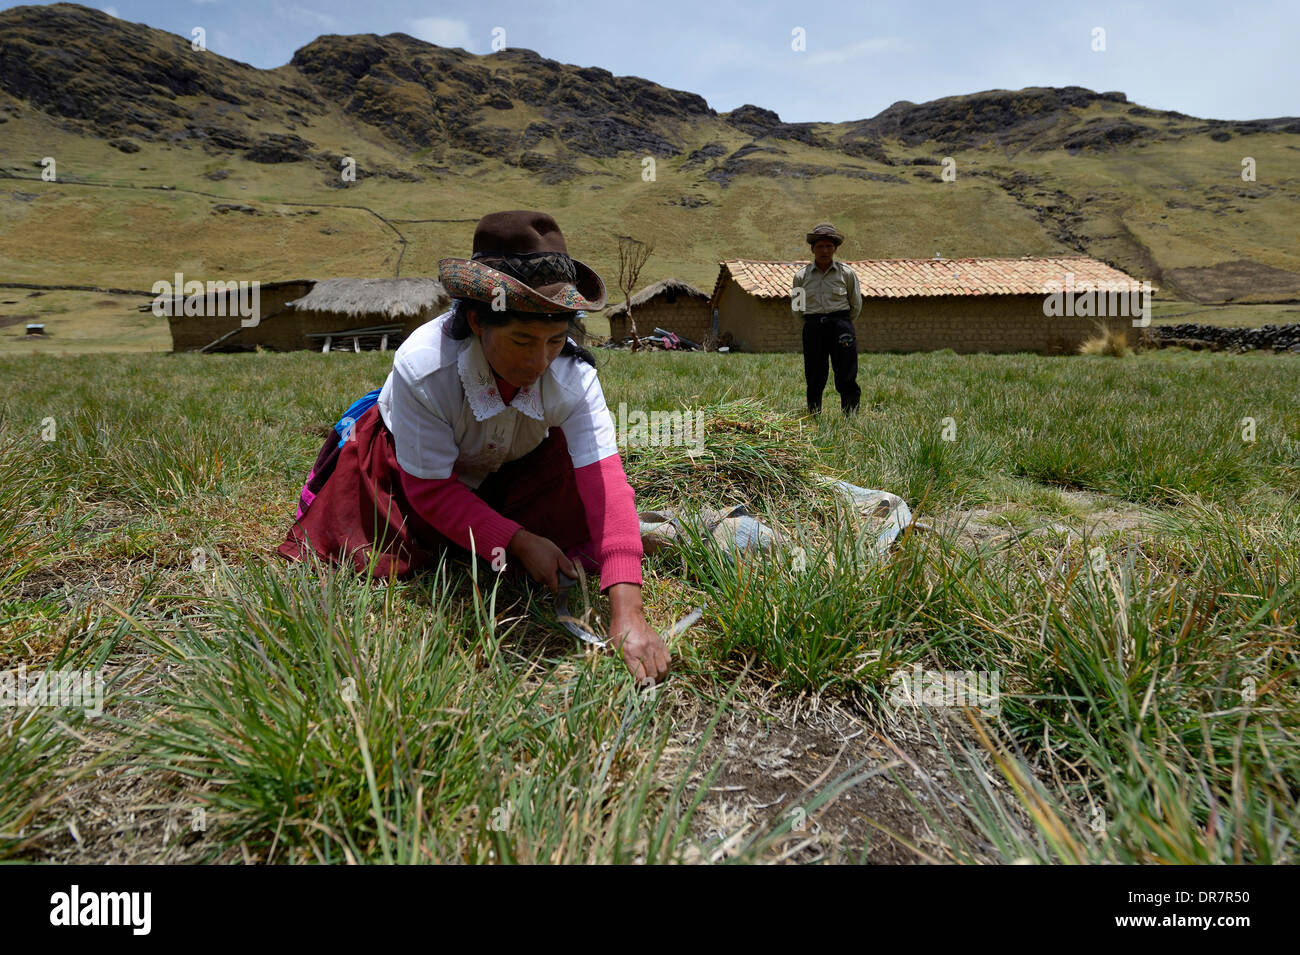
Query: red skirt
353, 509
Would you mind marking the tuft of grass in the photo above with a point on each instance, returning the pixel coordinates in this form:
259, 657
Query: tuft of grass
1158, 683
329, 722
1175, 696
1109, 341
42, 763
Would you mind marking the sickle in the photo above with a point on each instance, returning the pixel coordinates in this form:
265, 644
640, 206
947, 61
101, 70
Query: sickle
567, 620
580, 630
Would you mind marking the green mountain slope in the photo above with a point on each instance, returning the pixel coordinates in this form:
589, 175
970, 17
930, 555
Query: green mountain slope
173, 159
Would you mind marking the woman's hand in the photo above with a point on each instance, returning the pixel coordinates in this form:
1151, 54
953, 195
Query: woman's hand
540, 557
644, 651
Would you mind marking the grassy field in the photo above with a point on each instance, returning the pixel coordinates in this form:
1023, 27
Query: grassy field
1110, 537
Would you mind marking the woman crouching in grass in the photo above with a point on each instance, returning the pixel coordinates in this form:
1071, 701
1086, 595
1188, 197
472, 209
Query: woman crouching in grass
491, 434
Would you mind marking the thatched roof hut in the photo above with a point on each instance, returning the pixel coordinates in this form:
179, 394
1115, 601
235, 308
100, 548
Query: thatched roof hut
356, 314
670, 304
340, 314
390, 298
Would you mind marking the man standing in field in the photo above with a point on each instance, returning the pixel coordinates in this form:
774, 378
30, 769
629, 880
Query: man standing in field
825, 294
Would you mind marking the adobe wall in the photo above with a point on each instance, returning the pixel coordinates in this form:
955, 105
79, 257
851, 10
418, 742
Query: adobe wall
190, 333
688, 319
976, 323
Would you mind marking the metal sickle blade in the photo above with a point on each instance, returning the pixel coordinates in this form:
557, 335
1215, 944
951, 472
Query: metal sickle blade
688, 621
567, 620
574, 626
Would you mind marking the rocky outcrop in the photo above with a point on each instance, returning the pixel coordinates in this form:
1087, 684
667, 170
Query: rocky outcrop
1034, 117
423, 95
116, 78
765, 124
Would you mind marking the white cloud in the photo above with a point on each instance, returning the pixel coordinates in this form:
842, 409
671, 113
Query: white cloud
219, 40
730, 52
859, 50
112, 12
440, 30
306, 15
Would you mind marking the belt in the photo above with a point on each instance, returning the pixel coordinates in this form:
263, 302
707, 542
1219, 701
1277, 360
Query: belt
826, 316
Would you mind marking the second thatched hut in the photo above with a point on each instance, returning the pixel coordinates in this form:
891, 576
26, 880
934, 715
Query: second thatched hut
673, 305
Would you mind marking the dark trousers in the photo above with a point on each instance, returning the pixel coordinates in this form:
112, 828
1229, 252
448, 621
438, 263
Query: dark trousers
831, 337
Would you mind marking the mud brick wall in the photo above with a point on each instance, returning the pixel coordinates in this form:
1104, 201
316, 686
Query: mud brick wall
688, 319
281, 328
975, 323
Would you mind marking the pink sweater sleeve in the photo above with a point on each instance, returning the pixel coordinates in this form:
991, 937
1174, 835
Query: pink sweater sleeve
453, 510
612, 520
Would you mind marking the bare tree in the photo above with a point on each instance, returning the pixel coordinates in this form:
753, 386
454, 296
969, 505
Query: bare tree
632, 255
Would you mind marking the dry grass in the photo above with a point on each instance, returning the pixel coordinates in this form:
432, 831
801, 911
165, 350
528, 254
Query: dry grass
1108, 341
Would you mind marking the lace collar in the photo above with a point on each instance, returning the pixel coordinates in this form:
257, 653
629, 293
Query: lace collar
481, 388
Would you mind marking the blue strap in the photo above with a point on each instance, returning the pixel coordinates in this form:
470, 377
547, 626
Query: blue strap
348, 422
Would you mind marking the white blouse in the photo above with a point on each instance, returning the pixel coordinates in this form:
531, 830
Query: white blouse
442, 405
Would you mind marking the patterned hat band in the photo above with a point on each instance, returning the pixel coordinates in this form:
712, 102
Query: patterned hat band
535, 269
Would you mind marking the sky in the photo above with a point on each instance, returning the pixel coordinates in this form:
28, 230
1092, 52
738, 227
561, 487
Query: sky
1214, 60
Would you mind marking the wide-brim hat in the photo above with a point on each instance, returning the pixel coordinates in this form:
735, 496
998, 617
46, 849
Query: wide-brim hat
824, 230
523, 253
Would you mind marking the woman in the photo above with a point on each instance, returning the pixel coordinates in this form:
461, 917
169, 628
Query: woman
491, 434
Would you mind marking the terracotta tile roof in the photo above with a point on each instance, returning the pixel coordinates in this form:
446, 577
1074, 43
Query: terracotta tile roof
900, 278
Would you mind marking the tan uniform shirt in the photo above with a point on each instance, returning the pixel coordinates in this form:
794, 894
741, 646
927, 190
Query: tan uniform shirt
831, 291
